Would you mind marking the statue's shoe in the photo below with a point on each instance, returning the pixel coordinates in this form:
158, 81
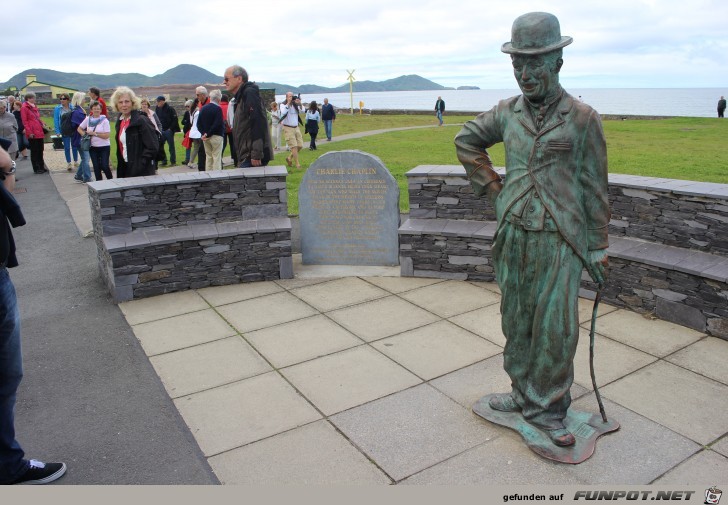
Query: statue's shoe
561, 437
504, 402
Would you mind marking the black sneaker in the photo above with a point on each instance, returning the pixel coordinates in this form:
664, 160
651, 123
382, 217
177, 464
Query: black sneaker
41, 473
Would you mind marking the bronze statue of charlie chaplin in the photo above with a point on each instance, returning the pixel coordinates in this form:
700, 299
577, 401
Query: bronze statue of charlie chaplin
553, 214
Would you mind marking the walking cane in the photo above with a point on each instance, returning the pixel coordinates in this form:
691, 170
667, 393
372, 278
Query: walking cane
591, 352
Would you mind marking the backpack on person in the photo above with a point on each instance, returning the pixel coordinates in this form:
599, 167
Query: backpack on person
67, 128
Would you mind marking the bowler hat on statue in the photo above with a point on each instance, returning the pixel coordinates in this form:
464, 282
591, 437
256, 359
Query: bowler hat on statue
535, 33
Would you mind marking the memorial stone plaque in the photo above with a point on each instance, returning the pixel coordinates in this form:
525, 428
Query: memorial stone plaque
349, 211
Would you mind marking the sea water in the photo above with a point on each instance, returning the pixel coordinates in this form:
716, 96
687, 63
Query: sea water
689, 102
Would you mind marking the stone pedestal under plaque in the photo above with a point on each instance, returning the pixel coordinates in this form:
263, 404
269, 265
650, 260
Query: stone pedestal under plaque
349, 211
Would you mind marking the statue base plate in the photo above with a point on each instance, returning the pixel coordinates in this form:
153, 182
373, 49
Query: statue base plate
585, 426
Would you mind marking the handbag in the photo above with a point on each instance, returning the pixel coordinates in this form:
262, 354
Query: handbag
187, 141
85, 143
86, 139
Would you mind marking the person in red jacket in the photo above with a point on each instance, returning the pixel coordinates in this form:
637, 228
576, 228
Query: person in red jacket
95, 95
34, 132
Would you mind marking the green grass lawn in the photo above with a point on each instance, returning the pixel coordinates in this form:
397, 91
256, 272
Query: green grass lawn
679, 148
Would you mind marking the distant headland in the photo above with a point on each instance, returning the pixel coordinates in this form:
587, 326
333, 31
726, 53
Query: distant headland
194, 75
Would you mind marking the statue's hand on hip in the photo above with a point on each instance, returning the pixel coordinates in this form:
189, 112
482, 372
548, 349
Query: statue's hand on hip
597, 264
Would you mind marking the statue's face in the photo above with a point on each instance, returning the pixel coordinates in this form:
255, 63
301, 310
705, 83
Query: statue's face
537, 75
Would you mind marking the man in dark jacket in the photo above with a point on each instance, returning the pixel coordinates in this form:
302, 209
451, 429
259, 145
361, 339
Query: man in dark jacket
439, 109
721, 106
328, 116
250, 122
14, 468
170, 125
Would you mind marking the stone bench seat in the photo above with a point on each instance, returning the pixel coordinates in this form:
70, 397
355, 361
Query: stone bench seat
149, 262
681, 285
668, 242
172, 232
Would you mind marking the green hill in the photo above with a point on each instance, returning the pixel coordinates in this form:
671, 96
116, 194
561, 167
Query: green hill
181, 74
192, 74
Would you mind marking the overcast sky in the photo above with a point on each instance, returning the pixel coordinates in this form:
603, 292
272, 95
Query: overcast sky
617, 43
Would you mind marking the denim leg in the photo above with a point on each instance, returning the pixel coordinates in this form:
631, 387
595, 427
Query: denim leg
12, 463
74, 151
84, 168
327, 127
67, 148
169, 139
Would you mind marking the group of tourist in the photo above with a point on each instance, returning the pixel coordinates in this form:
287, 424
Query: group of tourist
210, 122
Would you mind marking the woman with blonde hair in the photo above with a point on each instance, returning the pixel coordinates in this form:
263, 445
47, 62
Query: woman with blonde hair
136, 138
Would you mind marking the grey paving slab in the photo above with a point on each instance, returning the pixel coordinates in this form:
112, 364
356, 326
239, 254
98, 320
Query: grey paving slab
676, 398
504, 460
312, 455
400, 284
485, 322
490, 286
237, 414
721, 446
222, 295
178, 332
436, 349
208, 365
412, 430
586, 307
707, 357
256, 313
301, 340
653, 336
638, 453
382, 318
699, 470
159, 307
612, 360
338, 293
300, 282
447, 299
348, 378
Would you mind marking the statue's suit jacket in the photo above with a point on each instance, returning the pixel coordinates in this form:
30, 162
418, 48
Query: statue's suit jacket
565, 161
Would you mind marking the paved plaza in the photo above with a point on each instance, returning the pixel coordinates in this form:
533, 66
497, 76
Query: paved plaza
340, 376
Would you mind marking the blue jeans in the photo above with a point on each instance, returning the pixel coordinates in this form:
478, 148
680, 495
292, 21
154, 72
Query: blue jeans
84, 168
439, 116
12, 463
168, 136
67, 148
328, 124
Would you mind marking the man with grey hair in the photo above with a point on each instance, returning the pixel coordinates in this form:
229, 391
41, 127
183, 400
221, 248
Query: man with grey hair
212, 129
249, 119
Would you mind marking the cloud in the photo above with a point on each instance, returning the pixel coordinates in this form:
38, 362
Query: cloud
628, 43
